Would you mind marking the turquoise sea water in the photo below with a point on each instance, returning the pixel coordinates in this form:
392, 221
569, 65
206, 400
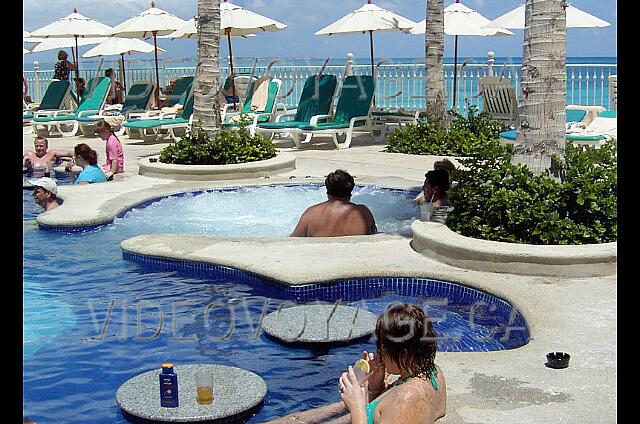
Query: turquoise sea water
310, 61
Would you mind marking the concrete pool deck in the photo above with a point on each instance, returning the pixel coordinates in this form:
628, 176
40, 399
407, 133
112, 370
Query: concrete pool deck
574, 315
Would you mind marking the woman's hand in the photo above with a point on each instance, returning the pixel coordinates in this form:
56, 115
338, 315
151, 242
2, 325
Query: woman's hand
354, 396
378, 371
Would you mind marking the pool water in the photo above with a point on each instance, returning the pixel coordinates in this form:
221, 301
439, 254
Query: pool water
271, 211
93, 320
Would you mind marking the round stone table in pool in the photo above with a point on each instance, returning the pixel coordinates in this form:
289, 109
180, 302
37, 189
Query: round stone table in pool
319, 324
235, 392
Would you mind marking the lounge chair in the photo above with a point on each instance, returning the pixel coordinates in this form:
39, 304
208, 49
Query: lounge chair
230, 120
180, 91
89, 106
498, 99
242, 84
54, 97
352, 114
137, 100
316, 99
602, 128
167, 121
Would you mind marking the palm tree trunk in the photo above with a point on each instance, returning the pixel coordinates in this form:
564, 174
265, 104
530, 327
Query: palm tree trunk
541, 107
434, 62
207, 78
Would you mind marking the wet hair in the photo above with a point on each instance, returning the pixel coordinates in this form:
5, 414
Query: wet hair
405, 334
86, 153
46, 142
339, 183
445, 164
62, 55
438, 178
102, 125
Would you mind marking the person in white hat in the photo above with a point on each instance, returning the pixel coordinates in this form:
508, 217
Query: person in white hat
45, 192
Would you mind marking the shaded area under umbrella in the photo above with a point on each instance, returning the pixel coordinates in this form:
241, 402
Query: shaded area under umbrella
153, 21
120, 46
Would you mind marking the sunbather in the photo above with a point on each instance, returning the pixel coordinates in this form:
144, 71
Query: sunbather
405, 385
337, 216
41, 159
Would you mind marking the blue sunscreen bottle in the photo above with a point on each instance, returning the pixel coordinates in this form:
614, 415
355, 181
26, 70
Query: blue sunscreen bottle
168, 386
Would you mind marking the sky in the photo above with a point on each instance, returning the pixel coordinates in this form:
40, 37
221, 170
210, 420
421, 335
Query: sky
304, 17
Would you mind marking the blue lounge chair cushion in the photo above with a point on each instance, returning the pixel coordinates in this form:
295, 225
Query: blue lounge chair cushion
608, 114
153, 123
54, 96
509, 135
283, 125
575, 115
95, 102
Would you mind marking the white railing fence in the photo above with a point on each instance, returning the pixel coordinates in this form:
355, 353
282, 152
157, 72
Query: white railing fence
398, 85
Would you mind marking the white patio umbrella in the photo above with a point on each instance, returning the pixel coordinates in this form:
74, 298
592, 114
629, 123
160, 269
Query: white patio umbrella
74, 25
462, 20
60, 43
30, 42
116, 45
368, 18
153, 21
238, 21
576, 18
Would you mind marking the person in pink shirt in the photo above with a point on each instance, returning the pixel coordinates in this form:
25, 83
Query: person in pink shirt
115, 153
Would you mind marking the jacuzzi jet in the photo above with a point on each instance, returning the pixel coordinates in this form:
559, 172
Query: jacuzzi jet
558, 360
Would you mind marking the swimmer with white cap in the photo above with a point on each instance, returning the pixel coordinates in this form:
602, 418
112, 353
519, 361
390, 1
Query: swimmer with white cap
45, 192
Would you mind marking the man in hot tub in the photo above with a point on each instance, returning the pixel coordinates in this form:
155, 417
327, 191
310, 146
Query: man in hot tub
337, 216
41, 159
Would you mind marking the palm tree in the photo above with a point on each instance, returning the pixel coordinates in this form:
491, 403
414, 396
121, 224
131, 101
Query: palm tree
434, 59
541, 107
205, 107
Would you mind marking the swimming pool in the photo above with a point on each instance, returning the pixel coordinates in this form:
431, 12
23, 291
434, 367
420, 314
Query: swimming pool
92, 320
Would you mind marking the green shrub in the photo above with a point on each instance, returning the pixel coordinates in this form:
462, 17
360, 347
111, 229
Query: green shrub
496, 200
466, 136
197, 148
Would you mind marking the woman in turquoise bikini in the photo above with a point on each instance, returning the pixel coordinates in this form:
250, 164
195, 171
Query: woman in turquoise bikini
405, 386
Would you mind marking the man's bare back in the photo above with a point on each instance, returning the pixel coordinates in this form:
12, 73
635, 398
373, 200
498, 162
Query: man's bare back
335, 217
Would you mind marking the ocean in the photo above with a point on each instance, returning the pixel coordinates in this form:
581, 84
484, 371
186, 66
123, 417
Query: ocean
304, 61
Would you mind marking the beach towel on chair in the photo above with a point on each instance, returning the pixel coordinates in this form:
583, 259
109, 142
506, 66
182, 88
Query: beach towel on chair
260, 95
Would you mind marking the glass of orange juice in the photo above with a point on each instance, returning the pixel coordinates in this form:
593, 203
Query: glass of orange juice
204, 385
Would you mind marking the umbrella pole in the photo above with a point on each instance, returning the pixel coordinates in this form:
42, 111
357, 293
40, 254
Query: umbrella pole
455, 71
155, 50
77, 60
372, 68
371, 48
124, 74
233, 82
